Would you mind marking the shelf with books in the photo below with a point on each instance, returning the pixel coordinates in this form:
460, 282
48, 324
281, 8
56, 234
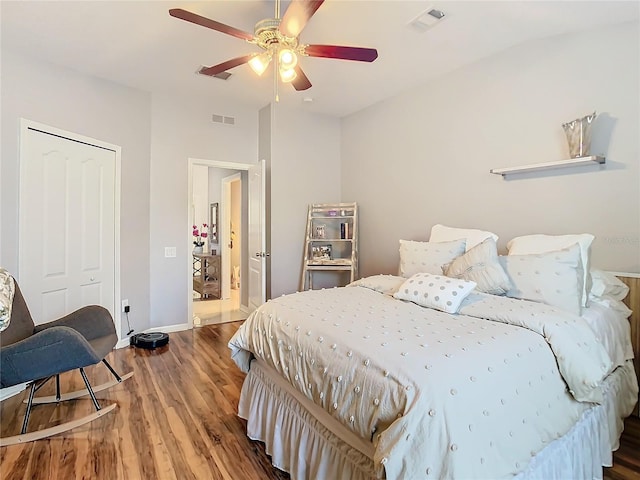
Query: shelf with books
330, 241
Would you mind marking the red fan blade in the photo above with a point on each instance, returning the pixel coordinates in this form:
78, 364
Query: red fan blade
301, 82
205, 22
358, 54
224, 66
297, 16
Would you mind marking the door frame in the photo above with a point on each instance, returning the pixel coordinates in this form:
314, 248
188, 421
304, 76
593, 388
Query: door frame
189, 260
225, 234
25, 126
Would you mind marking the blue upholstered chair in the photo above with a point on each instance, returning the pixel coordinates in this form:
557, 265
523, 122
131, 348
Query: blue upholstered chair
36, 353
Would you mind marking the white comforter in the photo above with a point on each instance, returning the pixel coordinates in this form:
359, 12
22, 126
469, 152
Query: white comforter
439, 395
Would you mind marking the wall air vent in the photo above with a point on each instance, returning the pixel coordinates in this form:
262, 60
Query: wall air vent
223, 119
427, 19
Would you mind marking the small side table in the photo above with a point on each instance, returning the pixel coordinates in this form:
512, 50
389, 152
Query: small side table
206, 275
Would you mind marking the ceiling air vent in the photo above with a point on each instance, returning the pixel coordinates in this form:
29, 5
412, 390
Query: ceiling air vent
223, 119
427, 19
221, 75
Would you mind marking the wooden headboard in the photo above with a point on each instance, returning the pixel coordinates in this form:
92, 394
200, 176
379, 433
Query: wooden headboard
633, 302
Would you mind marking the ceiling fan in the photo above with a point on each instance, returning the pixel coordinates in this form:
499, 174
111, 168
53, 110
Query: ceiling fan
278, 38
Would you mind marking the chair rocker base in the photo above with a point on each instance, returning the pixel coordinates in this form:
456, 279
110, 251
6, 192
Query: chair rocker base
78, 393
48, 432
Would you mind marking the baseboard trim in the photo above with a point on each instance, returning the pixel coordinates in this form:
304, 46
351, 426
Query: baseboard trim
124, 342
170, 328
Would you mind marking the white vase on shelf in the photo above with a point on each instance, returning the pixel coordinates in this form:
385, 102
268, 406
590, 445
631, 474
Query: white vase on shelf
198, 249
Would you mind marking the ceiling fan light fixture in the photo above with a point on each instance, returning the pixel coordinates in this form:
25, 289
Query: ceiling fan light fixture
287, 58
288, 75
259, 63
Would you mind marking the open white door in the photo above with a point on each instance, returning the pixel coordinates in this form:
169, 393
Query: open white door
257, 236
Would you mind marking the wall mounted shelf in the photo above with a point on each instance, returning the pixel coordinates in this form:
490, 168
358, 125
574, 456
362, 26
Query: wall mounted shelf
536, 167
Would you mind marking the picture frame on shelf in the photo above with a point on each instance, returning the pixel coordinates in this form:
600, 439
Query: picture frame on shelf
321, 252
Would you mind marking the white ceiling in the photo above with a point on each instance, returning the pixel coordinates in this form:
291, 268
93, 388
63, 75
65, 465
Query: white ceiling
138, 44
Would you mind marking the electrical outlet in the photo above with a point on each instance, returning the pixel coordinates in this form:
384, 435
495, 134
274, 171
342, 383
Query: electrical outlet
125, 303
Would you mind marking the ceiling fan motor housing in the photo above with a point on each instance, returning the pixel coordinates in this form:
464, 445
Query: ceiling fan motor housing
267, 34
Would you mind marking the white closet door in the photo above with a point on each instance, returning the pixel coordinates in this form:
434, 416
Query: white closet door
67, 225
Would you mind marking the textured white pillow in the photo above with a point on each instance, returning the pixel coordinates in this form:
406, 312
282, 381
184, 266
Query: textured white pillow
441, 233
481, 265
386, 284
554, 278
605, 284
435, 291
529, 244
429, 257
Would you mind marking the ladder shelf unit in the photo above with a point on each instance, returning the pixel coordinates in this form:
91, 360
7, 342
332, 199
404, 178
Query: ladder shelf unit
331, 241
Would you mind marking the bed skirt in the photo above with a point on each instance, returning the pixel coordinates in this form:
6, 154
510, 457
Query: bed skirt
308, 443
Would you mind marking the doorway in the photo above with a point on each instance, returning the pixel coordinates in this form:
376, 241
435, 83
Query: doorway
226, 193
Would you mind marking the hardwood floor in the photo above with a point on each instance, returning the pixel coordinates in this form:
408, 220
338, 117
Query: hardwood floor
176, 419
626, 461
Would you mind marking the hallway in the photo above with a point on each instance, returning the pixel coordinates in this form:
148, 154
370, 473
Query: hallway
210, 312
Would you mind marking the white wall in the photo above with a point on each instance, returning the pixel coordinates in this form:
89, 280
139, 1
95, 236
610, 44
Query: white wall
200, 201
236, 221
65, 99
215, 176
424, 157
182, 129
305, 168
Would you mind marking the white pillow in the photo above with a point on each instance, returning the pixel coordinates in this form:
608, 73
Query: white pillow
529, 244
481, 265
417, 257
435, 291
385, 284
441, 233
554, 278
605, 284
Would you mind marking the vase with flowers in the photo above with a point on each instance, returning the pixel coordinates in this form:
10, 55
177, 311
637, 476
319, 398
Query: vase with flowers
199, 236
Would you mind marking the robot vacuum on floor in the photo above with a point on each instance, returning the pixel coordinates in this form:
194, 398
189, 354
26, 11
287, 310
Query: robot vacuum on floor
149, 340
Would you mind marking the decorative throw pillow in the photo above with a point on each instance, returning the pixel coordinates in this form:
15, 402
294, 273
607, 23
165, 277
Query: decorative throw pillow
427, 257
529, 244
386, 284
481, 265
7, 290
554, 278
435, 291
441, 233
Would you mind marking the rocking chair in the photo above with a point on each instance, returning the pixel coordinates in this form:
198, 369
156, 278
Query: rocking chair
35, 354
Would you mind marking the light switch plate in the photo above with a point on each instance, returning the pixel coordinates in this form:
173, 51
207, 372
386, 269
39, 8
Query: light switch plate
169, 252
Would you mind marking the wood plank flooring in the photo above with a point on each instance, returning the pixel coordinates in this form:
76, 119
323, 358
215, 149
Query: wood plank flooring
176, 419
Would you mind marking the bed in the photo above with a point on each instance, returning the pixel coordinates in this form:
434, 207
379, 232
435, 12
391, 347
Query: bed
427, 375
